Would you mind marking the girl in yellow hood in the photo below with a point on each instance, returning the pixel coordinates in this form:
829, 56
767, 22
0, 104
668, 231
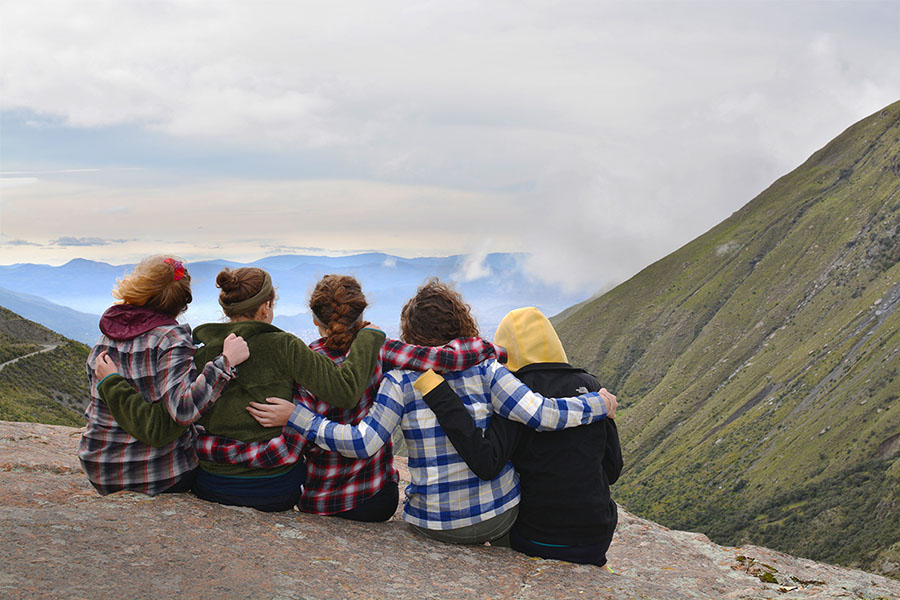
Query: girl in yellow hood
566, 511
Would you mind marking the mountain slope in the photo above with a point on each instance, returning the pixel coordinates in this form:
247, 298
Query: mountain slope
42, 374
71, 323
758, 365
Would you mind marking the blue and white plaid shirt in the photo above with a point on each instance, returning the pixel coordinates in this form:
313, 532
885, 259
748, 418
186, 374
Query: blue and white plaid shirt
443, 492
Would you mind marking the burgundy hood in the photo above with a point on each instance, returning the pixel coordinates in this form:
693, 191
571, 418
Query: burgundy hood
126, 321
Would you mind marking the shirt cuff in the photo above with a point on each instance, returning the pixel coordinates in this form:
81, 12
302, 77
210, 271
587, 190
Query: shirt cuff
303, 419
222, 363
427, 381
598, 407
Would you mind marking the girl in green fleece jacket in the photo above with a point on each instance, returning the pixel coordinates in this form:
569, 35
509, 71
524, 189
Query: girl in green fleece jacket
278, 361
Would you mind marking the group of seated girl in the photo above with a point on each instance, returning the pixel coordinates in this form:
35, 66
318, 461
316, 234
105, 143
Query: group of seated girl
311, 426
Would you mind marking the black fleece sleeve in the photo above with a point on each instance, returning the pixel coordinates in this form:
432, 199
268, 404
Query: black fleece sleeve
612, 455
486, 452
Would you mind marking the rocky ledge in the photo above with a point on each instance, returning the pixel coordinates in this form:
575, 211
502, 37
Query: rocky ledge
61, 540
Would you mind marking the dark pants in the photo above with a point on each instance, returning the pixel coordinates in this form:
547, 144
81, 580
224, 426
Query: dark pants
184, 484
267, 494
376, 509
492, 530
585, 555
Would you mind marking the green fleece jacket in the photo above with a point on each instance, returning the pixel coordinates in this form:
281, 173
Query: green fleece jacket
278, 362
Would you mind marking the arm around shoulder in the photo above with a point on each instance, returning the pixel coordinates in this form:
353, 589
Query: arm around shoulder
485, 452
149, 422
339, 385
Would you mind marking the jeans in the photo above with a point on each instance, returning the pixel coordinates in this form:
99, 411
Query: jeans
268, 494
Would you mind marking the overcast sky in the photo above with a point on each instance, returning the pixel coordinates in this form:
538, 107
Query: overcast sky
598, 136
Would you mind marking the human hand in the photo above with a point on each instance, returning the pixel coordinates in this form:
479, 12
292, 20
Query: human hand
274, 414
235, 349
103, 366
611, 403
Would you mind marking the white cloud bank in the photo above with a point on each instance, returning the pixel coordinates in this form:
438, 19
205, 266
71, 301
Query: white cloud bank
597, 135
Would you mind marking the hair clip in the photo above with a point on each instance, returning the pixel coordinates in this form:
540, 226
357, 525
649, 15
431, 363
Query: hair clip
177, 267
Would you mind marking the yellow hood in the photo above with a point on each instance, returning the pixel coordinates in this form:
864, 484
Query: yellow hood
529, 338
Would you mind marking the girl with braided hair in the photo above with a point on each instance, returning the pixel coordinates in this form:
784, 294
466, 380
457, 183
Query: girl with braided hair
362, 489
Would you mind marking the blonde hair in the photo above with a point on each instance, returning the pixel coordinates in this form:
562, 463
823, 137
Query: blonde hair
152, 284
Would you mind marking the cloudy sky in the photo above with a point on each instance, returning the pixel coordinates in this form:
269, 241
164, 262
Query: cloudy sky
599, 136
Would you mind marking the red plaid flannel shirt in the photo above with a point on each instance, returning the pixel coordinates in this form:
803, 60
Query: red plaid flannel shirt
335, 483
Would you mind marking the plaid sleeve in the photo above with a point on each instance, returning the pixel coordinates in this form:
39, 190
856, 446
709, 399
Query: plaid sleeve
355, 441
458, 355
285, 449
515, 401
185, 393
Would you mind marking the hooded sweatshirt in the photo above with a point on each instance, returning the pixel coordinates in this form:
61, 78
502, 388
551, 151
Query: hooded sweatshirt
155, 354
564, 475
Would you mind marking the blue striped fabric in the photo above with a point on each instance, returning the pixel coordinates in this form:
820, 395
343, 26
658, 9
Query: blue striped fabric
443, 492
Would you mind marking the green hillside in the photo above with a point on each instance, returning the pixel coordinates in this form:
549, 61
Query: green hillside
47, 384
757, 367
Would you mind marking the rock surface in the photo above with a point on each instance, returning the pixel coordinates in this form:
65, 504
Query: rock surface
62, 540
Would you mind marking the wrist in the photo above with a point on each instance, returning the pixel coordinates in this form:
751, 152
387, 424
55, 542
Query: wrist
107, 377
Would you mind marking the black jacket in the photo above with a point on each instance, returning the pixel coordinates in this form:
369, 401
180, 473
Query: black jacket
564, 475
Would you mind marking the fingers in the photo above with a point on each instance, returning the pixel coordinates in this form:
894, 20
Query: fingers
611, 403
278, 401
235, 349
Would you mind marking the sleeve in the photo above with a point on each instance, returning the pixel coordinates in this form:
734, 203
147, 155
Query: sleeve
514, 400
285, 449
149, 422
458, 355
355, 441
339, 385
185, 394
612, 455
486, 452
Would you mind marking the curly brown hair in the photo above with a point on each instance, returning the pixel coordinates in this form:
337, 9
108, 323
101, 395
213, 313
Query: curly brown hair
152, 284
337, 302
436, 315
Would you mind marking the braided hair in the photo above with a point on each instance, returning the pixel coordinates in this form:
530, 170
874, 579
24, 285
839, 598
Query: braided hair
337, 303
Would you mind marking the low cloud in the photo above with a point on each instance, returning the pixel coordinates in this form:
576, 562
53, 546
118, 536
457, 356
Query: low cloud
10, 182
474, 266
20, 243
84, 241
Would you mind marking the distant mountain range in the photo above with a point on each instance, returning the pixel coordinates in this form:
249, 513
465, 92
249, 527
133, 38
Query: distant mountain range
71, 323
758, 367
70, 298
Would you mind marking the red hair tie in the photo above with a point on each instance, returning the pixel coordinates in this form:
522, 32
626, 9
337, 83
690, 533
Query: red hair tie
177, 267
